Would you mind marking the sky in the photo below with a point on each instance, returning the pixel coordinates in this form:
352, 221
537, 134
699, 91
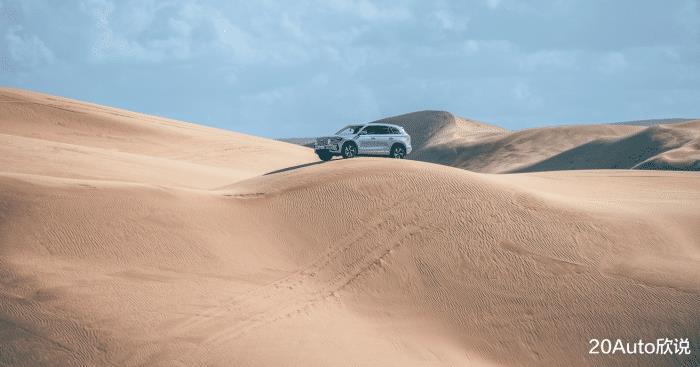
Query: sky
306, 67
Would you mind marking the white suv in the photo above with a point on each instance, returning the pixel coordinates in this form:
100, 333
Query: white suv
368, 139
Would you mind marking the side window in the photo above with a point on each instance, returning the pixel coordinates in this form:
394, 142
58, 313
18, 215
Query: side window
374, 130
394, 131
381, 130
386, 130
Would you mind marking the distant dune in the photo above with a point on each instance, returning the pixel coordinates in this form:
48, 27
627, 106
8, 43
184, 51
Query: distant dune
574, 148
671, 147
653, 122
131, 240
512, 150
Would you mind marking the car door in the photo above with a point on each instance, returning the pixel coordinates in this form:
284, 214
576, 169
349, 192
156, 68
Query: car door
393, 137
383, 140
367, 143
363, 141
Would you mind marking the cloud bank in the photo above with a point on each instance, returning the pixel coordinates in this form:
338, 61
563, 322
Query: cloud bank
302, 68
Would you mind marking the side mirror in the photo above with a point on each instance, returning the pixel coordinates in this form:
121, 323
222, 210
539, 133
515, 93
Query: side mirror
363, 132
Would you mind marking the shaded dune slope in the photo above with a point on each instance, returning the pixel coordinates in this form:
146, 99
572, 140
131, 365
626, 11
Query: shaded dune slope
408, 264
670, 147
513, 150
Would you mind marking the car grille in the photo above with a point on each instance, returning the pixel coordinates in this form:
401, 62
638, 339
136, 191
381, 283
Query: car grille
327, 141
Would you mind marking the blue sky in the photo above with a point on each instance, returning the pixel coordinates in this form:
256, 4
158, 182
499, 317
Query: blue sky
302, 68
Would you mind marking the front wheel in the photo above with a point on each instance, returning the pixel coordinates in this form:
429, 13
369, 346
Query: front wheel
324, 155
349, 150
398, 151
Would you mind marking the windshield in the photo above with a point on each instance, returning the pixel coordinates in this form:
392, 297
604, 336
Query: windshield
349, 130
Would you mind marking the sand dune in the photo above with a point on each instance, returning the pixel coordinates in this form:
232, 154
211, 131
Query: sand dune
41, 134
358, 262
428, 128
511, 151
631, 151
668, 147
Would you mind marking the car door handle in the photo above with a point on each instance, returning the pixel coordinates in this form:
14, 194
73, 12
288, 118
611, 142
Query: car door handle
373, 138
391, 138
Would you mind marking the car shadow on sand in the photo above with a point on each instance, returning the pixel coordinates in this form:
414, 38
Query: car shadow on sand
294, 167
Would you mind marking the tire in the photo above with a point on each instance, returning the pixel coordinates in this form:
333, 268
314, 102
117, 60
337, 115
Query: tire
349, 150
324, 155
398, 151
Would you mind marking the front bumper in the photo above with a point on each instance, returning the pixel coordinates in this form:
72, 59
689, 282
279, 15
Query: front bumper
330, 144
331, 148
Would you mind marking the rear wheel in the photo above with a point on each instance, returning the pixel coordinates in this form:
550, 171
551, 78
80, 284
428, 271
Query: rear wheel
349, 150
398, 151
324, 155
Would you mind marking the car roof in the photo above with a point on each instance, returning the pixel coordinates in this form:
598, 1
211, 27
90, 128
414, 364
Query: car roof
383, 124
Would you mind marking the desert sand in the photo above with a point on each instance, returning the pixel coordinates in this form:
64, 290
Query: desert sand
133, 240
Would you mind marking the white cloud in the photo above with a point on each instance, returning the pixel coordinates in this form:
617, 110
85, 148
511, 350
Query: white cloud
111, 44
228, 36
374, 56
549, 60
491, 46
521, 91
493, 4
449, 22
525, 96
688, 17
27, 51
140, 32
368, 10
471, 46
612, 62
